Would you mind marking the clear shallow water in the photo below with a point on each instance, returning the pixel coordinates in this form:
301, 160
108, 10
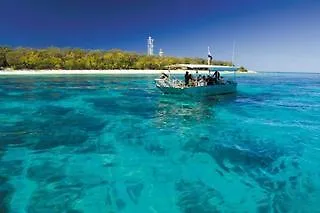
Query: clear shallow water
111, 144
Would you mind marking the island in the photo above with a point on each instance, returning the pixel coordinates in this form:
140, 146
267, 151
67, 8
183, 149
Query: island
54, 58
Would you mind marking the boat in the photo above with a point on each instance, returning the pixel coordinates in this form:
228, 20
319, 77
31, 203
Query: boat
171, 85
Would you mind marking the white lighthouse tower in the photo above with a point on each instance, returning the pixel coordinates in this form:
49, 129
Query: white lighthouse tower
161, 53
150, 45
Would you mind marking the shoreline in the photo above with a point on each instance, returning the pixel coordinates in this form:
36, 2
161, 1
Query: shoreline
106, 72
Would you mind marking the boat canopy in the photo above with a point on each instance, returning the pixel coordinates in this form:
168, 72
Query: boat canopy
224, 68
203, 67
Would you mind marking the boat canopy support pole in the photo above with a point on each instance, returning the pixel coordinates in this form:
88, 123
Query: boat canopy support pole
232, 60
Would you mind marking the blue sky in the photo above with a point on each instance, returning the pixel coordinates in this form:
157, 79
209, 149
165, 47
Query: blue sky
270, 35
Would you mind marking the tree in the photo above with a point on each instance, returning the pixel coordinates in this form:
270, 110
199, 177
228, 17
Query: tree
3, 56
242, 69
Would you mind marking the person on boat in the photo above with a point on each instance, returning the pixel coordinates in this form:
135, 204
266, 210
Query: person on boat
190, 76
202, 81
186, 78
216, 76
199, 77
191, 80
164, 76
210, 80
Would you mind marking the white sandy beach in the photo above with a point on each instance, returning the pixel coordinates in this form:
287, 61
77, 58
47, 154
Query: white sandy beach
104, 72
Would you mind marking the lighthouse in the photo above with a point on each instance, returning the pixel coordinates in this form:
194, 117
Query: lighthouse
150, 45
161, 53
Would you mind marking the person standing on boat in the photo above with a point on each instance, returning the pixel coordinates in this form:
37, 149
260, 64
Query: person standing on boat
186, 78
198, 79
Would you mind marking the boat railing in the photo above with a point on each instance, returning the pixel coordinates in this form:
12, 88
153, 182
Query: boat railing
176, 83
167, 82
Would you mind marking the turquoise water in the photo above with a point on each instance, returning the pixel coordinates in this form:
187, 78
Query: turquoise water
116, 144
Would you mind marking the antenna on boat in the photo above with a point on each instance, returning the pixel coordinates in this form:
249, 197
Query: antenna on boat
234, 45
232, 60
209, 59
209, 56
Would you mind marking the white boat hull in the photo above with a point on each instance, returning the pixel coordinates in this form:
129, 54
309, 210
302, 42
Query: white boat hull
216, 89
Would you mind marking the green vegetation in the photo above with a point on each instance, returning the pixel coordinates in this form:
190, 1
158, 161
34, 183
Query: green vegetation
242, 69
78, 59
3, 59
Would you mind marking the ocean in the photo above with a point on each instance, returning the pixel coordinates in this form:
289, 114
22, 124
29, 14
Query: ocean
116, 144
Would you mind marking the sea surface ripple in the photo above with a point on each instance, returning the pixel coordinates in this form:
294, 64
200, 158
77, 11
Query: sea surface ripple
116, 144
